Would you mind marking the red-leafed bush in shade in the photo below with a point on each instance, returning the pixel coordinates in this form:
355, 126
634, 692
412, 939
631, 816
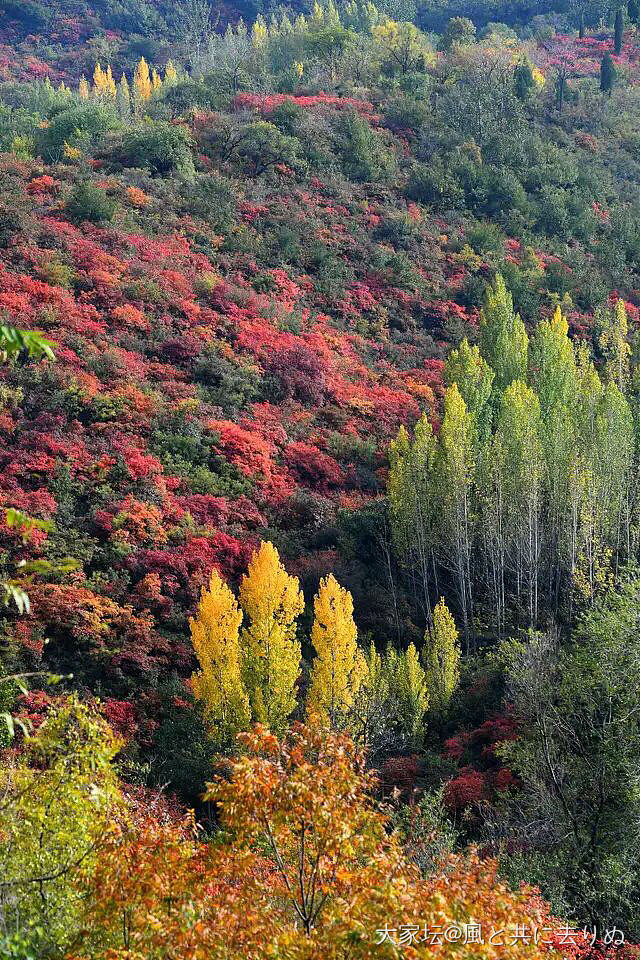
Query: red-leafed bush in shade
469, 787
312, 466
401, 773
121, 717
300, 372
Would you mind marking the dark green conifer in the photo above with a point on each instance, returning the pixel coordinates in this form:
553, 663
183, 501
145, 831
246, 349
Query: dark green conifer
618, 31
607, 74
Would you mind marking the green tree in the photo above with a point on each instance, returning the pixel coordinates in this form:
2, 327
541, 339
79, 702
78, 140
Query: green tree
504, 338
618, 31
402, 48
474, 378
552, 364
517, 459
408, 688
57, 800
613, 341
524, 81
362, 151
458, 32
608, 74
554, 377
372, 709
412, 505
161, 147
441, 657
79, 127
327, 45
578, 756
455, 473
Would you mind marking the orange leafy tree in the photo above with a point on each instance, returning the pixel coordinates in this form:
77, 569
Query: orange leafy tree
304, 868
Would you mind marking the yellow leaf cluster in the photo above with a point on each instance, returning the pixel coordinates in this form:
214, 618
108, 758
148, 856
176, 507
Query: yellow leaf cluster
339, 666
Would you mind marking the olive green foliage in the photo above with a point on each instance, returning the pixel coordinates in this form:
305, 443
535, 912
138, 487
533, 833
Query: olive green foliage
78, 127
161, 147
88, 202
57, 799
363, 153
578, 758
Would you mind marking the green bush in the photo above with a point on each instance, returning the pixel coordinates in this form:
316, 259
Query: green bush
486, 238
161, 147
262, 146
287, 117
211, 198
188, 94
435, 185
86, 202
78, 127
362, 152
225, 384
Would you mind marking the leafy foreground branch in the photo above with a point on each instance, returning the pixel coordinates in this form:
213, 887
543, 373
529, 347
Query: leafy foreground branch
303, 865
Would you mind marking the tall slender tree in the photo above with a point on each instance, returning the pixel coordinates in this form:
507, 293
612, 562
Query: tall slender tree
272, 602
412, 506
503, 336
474, 378
454, 469
553, 375
618, 31
608, 74
518, 458
408, 686
218, 683
339, 666
441, 657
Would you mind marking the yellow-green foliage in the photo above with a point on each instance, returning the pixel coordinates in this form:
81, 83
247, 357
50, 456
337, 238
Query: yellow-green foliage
218, 683
441, 658
58, 798
339, 666
272, 602
408, 688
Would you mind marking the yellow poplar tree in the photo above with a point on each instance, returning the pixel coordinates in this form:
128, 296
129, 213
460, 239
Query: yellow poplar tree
259, 33
123, 97
272, 602
99, 81
218, 683
142, 81
110, 84
156, 80
83, 88
442, 657
170, 74
339, 665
